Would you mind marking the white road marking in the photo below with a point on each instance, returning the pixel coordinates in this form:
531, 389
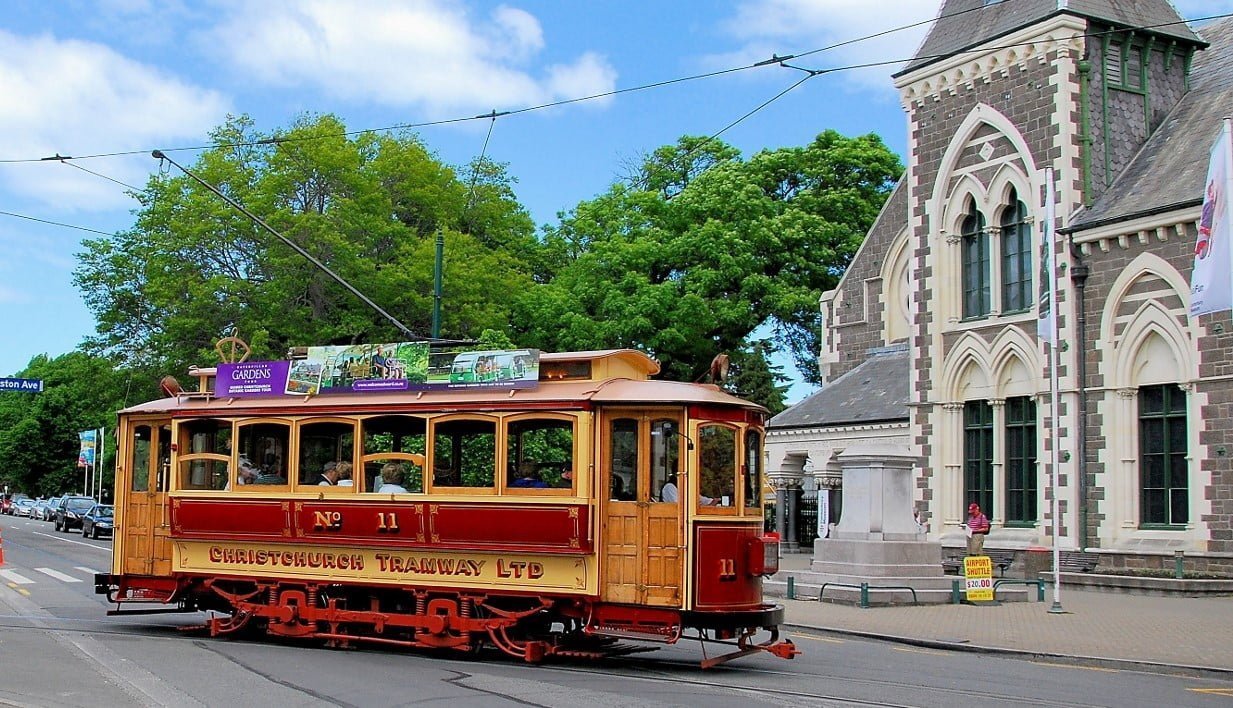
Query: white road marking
87, 571
58, 575
15, 577
60, 537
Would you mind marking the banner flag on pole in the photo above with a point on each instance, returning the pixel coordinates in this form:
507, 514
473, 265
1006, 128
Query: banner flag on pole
85, 458
1210, 289
1048, 273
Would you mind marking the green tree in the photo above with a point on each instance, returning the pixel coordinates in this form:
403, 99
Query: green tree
192, 269
752, 376
701, 248
38, 432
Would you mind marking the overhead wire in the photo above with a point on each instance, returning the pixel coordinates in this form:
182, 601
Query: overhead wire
775, 59
492, 116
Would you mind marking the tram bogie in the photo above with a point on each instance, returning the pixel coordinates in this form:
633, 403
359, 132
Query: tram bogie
570, 517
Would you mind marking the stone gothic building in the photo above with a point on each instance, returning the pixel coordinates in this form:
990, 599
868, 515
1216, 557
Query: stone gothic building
931, 336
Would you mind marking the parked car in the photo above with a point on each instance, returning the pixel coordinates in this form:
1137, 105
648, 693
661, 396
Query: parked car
41, 510
22, 507
98, 521
49, 514
70, 510
6, 502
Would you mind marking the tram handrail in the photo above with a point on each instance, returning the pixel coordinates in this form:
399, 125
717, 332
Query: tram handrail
864, 588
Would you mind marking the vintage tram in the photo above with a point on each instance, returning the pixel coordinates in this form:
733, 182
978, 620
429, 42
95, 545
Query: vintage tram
589, 511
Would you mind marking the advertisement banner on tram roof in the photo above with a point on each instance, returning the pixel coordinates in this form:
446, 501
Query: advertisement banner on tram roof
361, 368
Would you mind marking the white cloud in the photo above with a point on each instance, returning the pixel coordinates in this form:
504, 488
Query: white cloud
766, 27
72, 97
416, 52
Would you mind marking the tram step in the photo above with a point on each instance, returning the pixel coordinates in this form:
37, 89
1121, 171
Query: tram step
617, 633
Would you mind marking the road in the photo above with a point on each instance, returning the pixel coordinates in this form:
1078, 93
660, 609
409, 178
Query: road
58, 648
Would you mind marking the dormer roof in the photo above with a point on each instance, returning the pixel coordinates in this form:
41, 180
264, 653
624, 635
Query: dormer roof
964, 24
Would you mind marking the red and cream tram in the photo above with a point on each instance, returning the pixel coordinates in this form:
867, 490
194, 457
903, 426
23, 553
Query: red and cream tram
593, 505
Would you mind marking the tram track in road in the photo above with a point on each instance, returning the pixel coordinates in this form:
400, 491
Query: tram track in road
645, 670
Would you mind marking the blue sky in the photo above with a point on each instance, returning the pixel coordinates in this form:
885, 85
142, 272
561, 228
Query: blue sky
84, 78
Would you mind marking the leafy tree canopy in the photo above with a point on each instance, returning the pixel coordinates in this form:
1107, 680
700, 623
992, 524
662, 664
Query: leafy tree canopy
38, 432
698, 248
193, 269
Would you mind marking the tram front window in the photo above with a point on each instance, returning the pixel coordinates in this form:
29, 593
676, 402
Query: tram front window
717, 460
205, 451
753, 472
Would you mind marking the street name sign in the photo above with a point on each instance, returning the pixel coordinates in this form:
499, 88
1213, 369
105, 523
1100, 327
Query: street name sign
22, 385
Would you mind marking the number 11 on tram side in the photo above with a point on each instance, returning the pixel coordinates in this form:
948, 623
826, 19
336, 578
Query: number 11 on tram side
591, 513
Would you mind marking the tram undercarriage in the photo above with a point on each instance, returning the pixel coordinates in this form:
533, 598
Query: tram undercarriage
531, 628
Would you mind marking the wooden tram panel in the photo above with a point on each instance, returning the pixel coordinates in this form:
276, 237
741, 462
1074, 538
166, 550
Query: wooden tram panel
435, 525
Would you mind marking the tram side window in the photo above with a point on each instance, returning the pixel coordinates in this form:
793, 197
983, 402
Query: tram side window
400, 439
753, 471
464, 453
539, 454
205, 450
322, 444
267, 445
139, 466
717, 463
665, 455
625, 467
162, 474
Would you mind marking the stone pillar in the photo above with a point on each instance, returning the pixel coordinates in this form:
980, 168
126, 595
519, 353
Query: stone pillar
794, 517
781, 527
877, 504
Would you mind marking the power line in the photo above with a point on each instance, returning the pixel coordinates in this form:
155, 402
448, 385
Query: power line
55, 223
775, 59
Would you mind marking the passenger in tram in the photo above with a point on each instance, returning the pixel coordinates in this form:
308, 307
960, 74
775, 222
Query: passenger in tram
567, 478
670, 493
618, 489
344, 475
247, 474
329, 474
270, 472
528, 476
391, 479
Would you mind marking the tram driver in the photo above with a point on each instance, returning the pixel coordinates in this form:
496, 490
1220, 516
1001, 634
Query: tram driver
670, 493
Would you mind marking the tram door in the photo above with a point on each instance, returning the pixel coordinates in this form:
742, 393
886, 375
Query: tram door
643, 533
147, 469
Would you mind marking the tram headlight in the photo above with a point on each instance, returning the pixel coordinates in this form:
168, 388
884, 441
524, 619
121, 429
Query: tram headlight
763, 554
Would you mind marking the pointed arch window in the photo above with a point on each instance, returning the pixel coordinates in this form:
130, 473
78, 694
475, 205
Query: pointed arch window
976, 274
978, 455
1164, 484
1016, 249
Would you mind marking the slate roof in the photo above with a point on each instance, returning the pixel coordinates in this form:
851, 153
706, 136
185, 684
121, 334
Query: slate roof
963, 24
1171, 167
875, 391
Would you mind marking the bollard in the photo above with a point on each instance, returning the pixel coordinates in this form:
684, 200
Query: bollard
956, 592
1040, 591
1, 550
1178, 571
864, 595
791, 588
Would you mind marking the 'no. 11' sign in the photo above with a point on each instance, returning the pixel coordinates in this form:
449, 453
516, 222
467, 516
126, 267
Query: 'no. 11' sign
978, 578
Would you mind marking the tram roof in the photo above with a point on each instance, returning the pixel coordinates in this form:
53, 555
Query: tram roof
561, 393
632, 389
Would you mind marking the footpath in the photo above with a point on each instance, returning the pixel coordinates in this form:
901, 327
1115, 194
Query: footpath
1172, 634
